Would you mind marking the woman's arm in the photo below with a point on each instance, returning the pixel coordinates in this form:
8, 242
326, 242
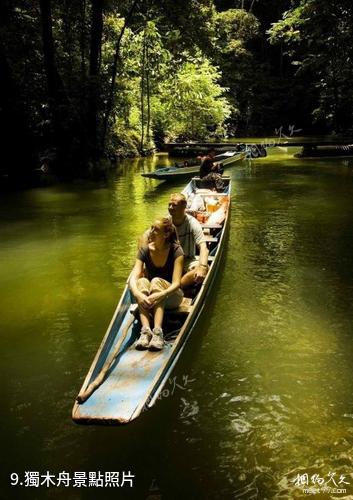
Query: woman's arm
143, 239
136, 273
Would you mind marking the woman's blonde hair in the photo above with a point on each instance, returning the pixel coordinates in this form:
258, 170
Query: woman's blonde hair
167, 226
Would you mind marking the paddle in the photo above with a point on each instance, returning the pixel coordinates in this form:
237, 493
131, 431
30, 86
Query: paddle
85, 394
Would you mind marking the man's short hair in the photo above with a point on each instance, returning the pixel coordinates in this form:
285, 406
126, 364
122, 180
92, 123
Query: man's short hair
180, 197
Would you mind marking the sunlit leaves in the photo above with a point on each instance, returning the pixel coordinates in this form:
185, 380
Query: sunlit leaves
192, 99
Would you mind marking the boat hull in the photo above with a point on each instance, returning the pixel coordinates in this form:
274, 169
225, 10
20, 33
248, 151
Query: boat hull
172, 173
328, 151
227, 159
136, 378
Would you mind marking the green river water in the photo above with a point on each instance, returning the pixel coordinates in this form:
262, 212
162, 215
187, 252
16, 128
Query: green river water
263, 391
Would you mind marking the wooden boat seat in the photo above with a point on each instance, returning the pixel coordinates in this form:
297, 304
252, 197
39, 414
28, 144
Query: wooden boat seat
210, 239
211, 226
210, 194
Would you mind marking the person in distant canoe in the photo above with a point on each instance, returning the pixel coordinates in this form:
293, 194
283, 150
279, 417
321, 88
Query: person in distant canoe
155, 281
210, 172
190, 235
208, 164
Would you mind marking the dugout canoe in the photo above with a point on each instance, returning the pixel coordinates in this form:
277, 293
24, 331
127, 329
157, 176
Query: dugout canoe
179, 171
328, 151
135, 379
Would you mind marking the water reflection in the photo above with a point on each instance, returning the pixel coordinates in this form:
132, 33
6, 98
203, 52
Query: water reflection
271, 360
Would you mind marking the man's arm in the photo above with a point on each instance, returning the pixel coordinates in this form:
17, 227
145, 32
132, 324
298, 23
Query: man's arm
203, 259
200, 241
202, 268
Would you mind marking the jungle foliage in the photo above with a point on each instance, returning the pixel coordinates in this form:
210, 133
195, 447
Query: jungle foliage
84, 80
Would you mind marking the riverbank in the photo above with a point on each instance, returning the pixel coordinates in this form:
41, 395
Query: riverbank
44, 174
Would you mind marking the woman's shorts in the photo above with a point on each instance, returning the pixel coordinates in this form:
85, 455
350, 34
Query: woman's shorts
159, 285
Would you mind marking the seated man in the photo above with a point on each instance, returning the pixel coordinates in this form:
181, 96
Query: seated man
190, 235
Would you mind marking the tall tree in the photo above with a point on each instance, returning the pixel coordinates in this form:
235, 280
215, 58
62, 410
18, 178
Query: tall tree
63, 114
54, 82
116, 60
318, 40
94, 76
15, 128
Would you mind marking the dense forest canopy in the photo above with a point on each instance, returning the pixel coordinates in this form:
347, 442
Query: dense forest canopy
84, 80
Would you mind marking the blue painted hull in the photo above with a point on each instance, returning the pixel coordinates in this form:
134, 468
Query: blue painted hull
136, 378
173, 173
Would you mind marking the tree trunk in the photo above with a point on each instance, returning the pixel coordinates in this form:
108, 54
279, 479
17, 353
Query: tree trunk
83, 84
96, 36
281, 61
18, 152
68, 41
143, 64
54, 83
110, 101
148, 128
94, 84
18, 155
83, 38
63, 115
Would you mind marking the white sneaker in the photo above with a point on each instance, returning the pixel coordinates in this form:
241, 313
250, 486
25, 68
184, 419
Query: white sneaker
157, 341
143, 341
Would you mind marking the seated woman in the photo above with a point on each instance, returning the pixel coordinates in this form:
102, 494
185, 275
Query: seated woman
160, 261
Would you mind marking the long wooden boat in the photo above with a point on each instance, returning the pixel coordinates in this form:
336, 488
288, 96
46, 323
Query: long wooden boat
135, 379
328, 151
252, 150
227, 159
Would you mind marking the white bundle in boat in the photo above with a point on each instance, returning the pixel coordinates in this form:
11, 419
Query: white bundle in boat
197, 203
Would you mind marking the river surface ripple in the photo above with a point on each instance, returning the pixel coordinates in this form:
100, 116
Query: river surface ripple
264, 390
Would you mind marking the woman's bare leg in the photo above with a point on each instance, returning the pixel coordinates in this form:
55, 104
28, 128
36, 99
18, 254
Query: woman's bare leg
158, 315
158, 285
144, 317
144, 286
